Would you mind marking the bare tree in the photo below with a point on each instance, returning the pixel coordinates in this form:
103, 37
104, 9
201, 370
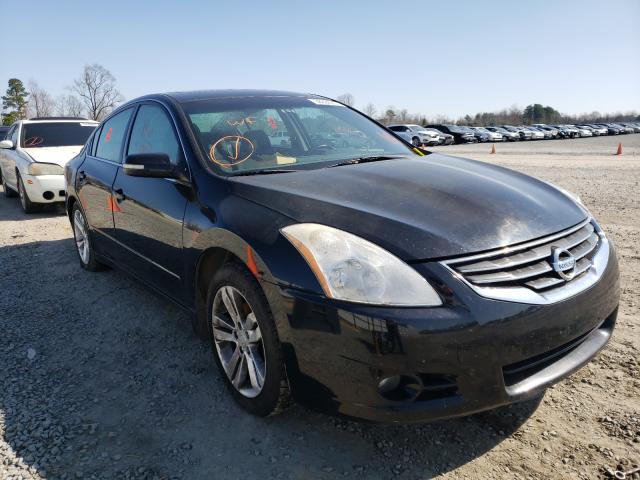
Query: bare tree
403, 115
347, 99
69, 106
97, 90
370, 110
40, 102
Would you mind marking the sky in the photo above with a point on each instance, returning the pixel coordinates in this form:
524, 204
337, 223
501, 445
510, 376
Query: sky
430, 57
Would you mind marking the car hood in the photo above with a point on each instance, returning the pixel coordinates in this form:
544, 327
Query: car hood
59, 155
423, 208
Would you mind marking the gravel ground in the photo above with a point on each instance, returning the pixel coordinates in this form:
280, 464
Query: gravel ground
100, 378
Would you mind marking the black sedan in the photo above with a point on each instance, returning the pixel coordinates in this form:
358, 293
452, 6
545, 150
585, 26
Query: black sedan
460, 134
361, 278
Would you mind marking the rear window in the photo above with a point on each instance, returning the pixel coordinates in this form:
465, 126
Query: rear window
63, 134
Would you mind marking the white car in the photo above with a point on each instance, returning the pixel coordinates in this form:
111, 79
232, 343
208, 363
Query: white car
419, 134
278, 139
33, 156
493, 136
584, 132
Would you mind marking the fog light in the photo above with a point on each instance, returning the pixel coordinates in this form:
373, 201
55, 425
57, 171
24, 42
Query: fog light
389, 384
48, 195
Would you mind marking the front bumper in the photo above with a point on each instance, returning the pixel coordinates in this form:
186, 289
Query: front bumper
469, 355
45, 188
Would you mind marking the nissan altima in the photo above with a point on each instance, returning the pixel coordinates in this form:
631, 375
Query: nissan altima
361, 278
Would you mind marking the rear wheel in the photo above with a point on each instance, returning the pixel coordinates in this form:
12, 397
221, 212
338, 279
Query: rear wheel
245, 341
84, 247
27, 205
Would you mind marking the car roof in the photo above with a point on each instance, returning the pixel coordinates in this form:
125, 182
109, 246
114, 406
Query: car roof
197, 95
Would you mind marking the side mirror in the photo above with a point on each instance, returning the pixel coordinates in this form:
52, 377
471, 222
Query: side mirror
154, 165
6, 144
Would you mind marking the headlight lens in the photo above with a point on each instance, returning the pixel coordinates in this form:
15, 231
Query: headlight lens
45, 169
355, 270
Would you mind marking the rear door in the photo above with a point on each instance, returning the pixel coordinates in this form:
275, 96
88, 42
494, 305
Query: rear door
96, 175
149, 212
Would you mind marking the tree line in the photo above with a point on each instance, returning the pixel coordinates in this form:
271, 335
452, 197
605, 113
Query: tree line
92, 95
534, 113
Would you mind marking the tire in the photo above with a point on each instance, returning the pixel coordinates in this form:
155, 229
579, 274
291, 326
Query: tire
27, 205
8, 191
415, 141
234, 285
82, 238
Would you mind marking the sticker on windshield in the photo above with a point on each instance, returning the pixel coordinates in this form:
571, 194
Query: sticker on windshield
231, 150
324, 101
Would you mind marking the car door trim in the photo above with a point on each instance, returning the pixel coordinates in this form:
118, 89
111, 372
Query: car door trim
175, 275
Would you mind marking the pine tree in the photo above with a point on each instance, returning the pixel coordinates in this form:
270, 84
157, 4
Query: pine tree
15, 101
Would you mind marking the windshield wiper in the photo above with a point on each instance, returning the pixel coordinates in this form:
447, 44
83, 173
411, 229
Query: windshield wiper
264, 171
371, 158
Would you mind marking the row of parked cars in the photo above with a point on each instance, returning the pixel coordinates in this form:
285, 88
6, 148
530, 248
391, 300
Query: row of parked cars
446, 134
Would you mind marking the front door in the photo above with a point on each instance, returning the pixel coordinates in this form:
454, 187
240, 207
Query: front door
149, 212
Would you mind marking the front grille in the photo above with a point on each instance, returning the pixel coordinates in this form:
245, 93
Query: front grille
530, 266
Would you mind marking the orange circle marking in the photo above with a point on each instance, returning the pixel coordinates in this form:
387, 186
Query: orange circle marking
234, 157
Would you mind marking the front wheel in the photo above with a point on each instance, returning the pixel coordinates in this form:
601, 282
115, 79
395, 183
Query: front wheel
27, 205
8, 191
84, 246
415, 141
245, 341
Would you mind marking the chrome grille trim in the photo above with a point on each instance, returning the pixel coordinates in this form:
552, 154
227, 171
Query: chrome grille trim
537, 282
530, 255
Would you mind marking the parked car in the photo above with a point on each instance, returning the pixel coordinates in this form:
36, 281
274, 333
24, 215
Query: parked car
594, 132
583, 132
599, 128
506, 134
492, 136
33, 155
613, 129
279, 138
524, 133
3, 131
443, 138
566, 131
376, 282
555, 133
624, 128
460, 134
419, 134
634, 126
538, 133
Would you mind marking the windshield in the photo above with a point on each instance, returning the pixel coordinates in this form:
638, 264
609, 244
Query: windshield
50, 134
239, 135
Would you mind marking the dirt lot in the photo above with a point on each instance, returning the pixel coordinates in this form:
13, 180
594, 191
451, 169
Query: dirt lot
100, 378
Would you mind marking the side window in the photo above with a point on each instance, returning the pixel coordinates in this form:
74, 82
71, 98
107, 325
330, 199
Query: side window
94, 142
112, 136
153, 133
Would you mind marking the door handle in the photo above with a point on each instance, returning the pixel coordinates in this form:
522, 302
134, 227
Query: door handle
81, 175
119, 194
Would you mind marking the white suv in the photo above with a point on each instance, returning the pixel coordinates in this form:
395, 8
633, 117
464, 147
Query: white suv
33, 156
419, 135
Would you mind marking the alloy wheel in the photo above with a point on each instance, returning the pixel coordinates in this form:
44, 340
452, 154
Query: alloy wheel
238, 341
81, 235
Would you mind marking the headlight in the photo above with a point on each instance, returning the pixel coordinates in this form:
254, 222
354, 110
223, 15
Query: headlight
44, 169
355, 270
